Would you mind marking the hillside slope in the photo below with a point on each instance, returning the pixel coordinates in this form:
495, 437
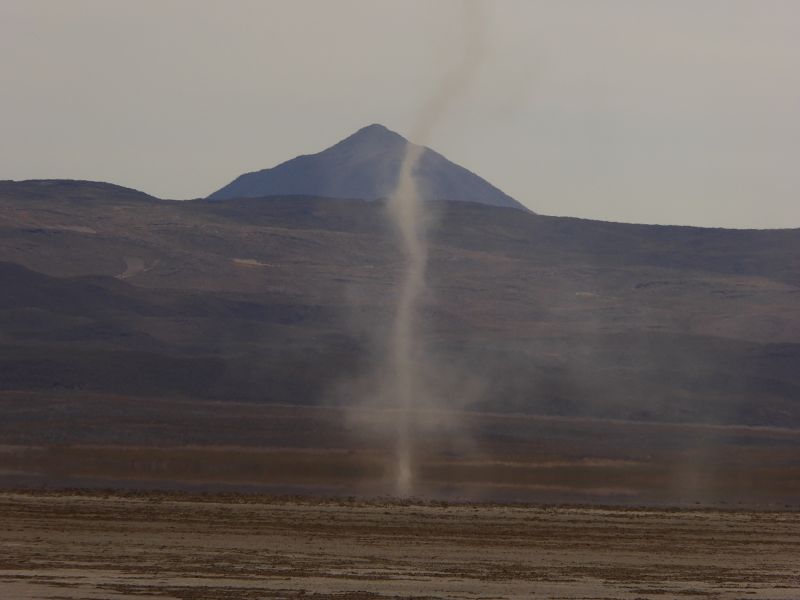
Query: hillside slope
285, 300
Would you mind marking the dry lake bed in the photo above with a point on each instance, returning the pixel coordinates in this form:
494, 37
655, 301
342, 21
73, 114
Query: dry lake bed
103, 545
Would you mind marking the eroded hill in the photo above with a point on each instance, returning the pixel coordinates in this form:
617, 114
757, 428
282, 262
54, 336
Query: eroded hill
284, 300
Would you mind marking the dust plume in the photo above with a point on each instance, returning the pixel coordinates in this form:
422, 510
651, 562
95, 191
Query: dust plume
404, 386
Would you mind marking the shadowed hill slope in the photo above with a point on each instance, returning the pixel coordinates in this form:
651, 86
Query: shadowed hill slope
284, 300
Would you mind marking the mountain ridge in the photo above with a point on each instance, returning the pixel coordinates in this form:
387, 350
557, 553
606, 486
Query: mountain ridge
365, 165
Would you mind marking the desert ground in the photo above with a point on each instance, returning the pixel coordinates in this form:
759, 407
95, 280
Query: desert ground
113, 498
95, 545
99, 441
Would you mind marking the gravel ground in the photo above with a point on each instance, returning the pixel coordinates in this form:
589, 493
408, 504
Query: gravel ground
92, 545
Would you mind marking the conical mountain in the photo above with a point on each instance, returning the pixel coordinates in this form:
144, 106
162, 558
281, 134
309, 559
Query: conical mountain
366, 165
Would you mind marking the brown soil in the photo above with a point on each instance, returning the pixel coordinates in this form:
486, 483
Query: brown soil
73, 546
208, 446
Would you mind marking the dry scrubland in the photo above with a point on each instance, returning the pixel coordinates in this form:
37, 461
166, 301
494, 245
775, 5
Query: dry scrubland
86, 546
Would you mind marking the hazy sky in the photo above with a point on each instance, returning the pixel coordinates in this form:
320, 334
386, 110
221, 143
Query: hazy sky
670, 111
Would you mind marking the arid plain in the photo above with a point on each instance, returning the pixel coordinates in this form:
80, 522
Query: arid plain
211, 362
699, 511
108, 546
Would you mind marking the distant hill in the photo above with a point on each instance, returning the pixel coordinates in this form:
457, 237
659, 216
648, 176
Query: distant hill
365, 166
276, 300
69, 189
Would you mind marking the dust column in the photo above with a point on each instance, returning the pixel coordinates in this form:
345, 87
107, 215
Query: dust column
404, 378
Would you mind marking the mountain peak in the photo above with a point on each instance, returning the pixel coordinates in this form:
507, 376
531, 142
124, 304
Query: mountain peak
373, 138
366, 165
375, 129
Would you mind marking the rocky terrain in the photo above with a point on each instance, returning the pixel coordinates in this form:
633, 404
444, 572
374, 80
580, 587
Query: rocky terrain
285, 300
234, 547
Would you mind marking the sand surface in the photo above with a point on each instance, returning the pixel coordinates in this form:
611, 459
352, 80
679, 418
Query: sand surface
106, 546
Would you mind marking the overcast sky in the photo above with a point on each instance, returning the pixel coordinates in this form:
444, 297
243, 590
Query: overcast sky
678, 112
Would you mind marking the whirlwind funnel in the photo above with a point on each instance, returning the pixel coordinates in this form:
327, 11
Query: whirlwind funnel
404, 381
